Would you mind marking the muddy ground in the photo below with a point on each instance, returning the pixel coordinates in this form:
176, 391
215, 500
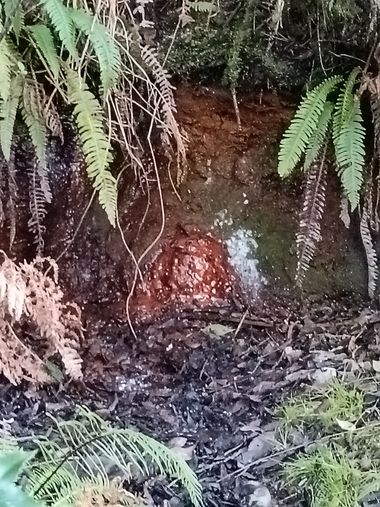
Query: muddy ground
208, 375
214, 395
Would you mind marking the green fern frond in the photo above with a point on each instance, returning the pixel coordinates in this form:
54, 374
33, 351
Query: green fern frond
8, 111
33, 117
61, 20
303, 125
15, 12
105, 47
44, 41
344, 102
5, 69
96, 145
349, 136
317, 140
350, 152
84, 449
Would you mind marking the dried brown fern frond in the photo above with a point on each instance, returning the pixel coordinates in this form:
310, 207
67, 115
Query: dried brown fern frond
309, 233
29, 296
48, 109
37, 206
375, 107
170, 129
112, 495
369, 224
18, 361
12, 198
370, 251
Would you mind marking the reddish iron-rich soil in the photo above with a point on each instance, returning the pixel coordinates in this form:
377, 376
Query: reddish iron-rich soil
191, 270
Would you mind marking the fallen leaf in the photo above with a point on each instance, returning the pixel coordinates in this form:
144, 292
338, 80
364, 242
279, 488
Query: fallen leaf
376, 366
186, 453
218, 330
346, 425
292, 354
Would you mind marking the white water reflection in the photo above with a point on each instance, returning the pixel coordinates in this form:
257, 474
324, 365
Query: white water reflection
242, 248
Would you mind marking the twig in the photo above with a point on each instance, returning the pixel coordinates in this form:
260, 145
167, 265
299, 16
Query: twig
258, 461
236, 106
234, 318
243, 317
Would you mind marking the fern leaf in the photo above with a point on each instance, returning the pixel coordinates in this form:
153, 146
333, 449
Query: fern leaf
375, 108
46, 109
96, 145
344, 102
32, 113
350, 151
6, 68
303, 126
37, 208
170, 127
44, 41
8, 111
317, 140
61, 20
81, 449
310, 217
370, 251
17, 16
12, 199
105, 46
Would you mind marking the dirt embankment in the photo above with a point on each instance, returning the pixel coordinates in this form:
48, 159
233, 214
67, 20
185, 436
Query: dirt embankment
231, 194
